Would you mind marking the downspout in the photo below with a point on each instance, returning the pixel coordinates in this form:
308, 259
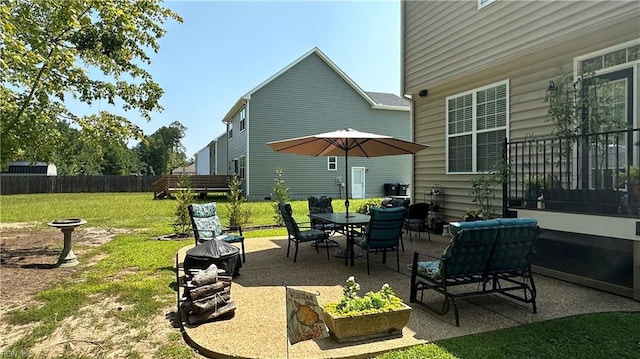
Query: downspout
413, 139
246, 155
227, 151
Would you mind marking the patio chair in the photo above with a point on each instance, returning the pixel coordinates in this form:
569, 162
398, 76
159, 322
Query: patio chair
296, 235
323, 205
383, 233
207, 226
416, 218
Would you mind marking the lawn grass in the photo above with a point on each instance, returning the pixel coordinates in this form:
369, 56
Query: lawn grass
137, 271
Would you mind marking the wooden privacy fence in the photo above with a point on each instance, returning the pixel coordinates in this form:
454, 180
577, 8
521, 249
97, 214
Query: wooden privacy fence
21, 184
201, 184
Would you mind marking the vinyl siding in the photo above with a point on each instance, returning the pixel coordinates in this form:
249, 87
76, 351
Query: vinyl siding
237, 144
445, 41
312, 98
528, 43
222, 165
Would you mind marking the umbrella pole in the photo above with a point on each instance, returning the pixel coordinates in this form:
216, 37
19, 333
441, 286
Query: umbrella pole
346, 180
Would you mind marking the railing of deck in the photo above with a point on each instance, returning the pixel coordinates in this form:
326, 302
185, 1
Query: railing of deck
582, 174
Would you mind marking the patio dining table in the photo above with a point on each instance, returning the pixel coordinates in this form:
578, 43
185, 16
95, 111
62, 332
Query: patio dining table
349, 223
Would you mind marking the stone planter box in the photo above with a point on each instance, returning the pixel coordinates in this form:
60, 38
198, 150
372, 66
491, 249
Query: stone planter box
367, 326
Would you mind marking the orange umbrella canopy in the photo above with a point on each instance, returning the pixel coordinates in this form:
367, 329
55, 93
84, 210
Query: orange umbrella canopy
347, 142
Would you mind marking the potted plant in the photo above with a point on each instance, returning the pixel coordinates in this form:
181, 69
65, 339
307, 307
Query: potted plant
471, 215
533, 189
632, 179
578, 107
376, 314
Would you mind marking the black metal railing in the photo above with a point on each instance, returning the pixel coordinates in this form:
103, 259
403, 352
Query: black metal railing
582, 174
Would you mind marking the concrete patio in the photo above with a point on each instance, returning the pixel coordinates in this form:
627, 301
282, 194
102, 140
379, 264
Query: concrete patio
258, 328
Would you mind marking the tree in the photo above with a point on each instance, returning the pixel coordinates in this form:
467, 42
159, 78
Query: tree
49, 51
75, 156
184, 197
280, 194
239, 214
162, 151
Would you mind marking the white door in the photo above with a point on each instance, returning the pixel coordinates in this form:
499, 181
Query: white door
357, 182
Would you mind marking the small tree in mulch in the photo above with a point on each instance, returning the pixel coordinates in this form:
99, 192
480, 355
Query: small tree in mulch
238, 214
184, 197
280, 194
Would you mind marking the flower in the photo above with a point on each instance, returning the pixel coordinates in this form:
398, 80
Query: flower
351, 304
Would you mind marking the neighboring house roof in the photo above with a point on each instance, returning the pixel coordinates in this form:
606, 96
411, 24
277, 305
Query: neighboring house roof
189, 170
388, 99
381, 101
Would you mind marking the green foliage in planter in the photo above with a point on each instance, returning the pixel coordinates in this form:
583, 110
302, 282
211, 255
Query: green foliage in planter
484, 188
471, 214
352, 305
629, 175
580, 105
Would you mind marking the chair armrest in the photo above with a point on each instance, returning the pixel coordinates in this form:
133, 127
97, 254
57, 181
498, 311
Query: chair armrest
233, 229
416, 254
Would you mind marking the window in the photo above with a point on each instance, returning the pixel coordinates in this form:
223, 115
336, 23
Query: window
332, 163
476, 125
483, 3
236, 166
241, 168
243, 117
230, 131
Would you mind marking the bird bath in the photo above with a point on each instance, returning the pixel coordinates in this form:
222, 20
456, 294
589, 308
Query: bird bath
67, 226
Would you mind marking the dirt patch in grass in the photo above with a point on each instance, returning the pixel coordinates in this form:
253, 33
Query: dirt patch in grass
28, 264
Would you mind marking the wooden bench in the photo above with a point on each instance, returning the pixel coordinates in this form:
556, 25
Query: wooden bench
483, 257
201, 184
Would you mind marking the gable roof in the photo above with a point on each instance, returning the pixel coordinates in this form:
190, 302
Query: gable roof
377, 100
388, 99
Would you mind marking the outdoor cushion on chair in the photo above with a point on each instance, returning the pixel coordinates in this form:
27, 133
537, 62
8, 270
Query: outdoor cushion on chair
383, 233
296, 235
207, 226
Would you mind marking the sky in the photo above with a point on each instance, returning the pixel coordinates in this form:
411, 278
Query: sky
223, 49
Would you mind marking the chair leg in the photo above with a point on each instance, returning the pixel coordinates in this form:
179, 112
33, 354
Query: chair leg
244, 256
288, 247
295, 255
398, 259
327, 246
368, 272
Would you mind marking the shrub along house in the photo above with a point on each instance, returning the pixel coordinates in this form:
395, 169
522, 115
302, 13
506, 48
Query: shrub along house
311, 95
482, 71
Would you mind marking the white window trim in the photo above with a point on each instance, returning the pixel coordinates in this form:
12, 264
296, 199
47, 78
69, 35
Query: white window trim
487, 3
242, 167
474, 132
329, 162
230, 131
243, 119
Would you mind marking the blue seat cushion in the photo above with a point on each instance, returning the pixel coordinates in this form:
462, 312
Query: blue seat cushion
430, 269
517, 221
455, 227
230, 238
312, 235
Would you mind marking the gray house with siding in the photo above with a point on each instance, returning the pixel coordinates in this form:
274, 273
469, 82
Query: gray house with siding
311, 95
486, 66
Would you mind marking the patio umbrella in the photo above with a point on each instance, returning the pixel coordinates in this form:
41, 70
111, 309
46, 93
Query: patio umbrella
347, 142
